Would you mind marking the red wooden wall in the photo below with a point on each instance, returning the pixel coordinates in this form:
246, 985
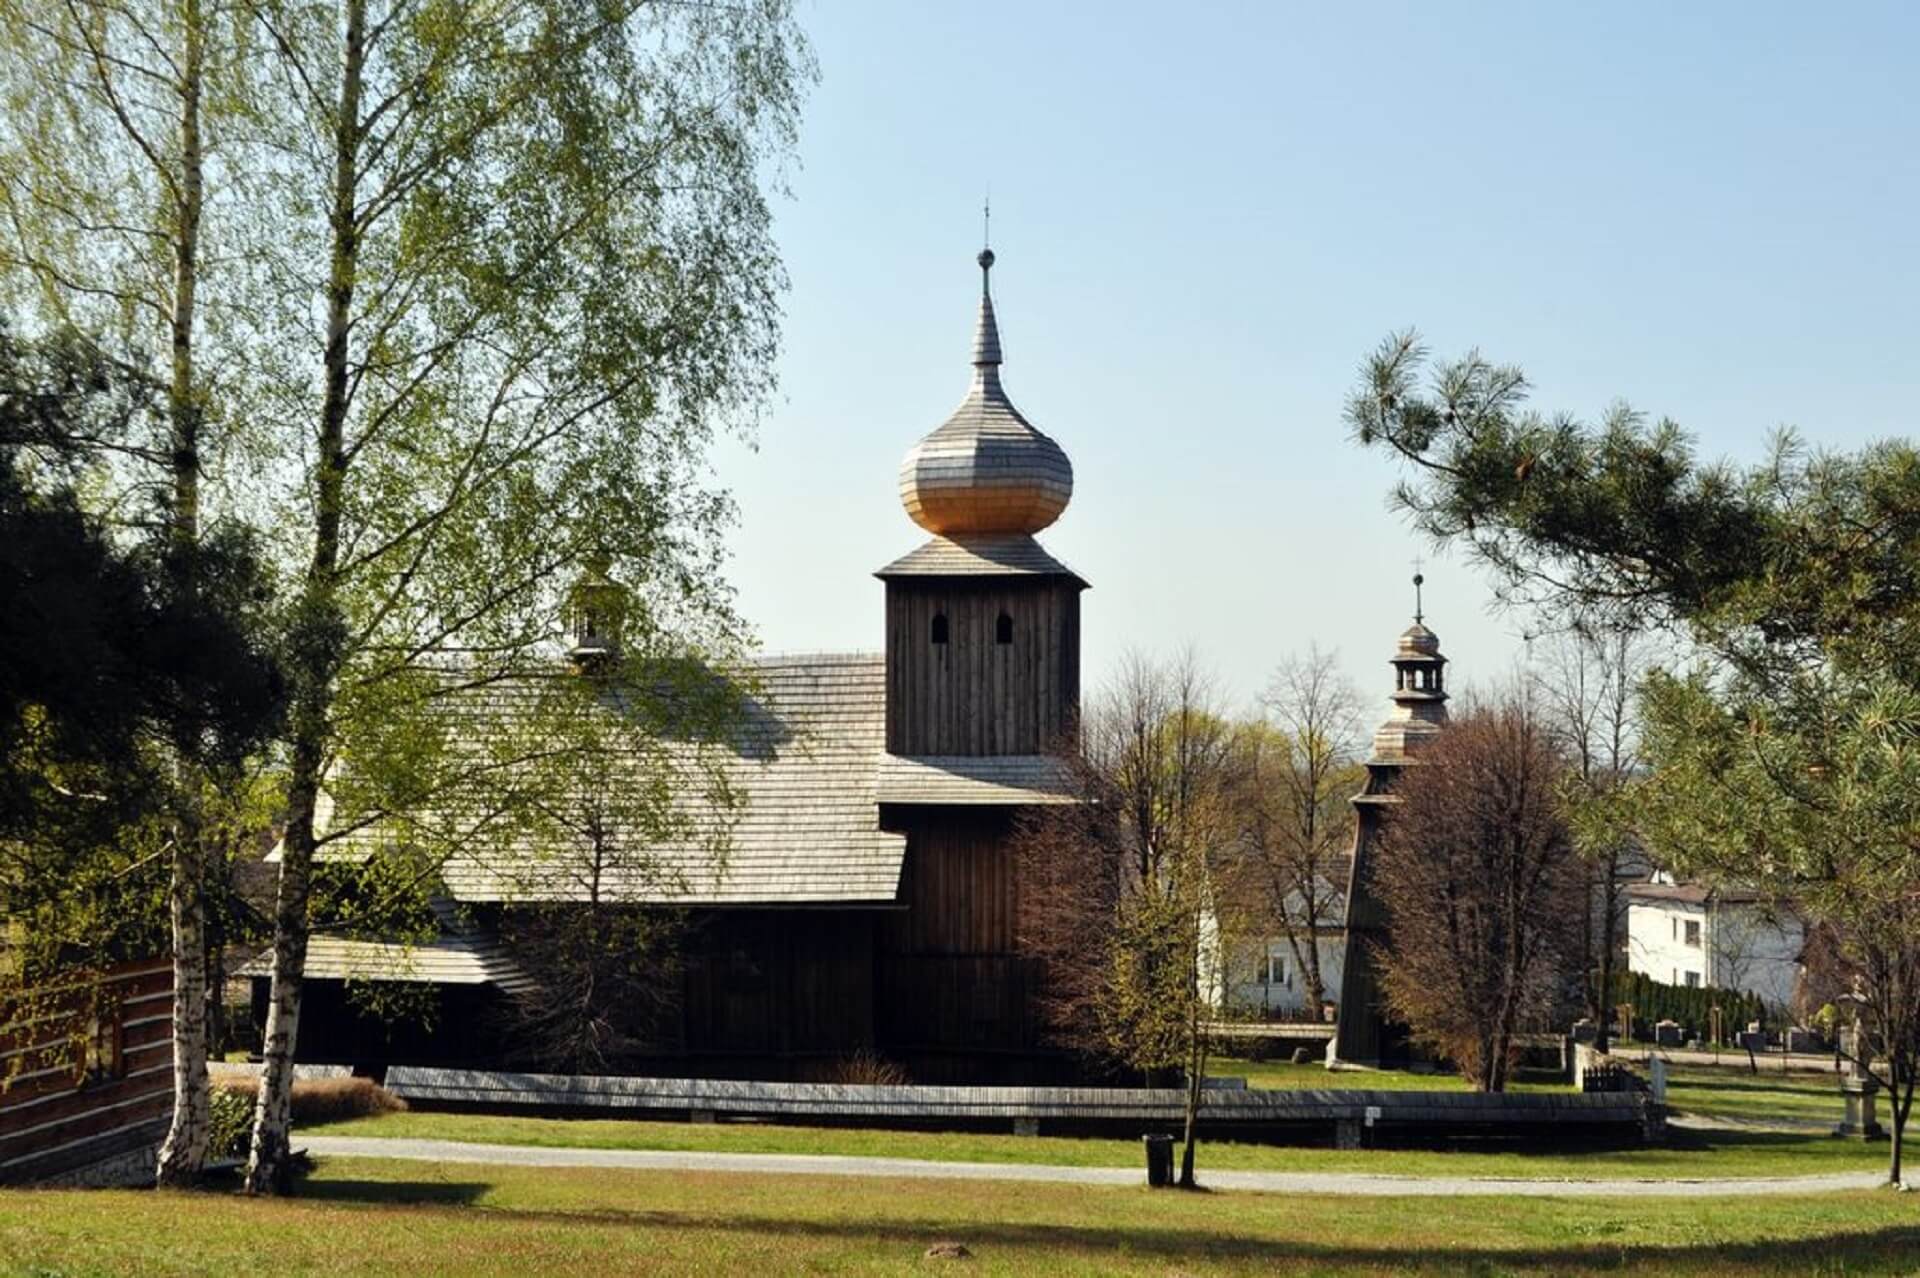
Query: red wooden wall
86, 1069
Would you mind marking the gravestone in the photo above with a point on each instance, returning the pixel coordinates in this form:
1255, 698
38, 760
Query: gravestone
1861, 1120
1667, 1034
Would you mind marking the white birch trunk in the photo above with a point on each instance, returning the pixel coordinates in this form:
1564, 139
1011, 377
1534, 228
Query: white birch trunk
269, 1167
184, 1153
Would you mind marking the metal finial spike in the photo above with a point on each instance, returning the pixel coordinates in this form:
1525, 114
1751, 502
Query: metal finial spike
1419, 580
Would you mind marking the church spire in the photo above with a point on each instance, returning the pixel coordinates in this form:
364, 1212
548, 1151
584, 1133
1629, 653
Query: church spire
986, 332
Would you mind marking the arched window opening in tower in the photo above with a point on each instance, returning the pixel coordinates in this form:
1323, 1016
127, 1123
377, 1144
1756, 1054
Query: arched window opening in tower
939, 627
1003, 629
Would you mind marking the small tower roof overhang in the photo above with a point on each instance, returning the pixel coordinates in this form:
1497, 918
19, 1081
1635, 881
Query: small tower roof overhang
983, 555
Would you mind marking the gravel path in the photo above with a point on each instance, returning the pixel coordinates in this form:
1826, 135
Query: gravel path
1349, 1183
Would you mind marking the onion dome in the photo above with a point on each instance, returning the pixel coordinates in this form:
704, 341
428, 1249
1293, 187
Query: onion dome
986, 470
1418, 641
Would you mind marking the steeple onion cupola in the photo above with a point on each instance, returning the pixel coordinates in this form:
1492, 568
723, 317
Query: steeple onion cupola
596, 613
1419, 689
987, 471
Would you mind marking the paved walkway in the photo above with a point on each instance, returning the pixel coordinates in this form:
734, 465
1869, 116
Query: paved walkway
1348, 1183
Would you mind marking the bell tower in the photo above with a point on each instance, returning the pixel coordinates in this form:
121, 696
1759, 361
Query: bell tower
983, 625
1365, 1034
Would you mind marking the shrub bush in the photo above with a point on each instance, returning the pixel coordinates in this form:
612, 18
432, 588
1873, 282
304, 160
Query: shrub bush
230, 1124
869, 1068
1688, 1004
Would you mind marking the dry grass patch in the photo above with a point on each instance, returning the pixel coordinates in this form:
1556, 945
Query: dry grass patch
326, 1100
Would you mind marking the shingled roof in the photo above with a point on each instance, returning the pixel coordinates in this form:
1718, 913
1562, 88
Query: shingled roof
1023, 779
804, 828
979, 555
807, 769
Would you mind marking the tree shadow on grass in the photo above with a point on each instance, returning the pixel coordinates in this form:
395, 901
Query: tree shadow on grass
394, 1193
1869, 1250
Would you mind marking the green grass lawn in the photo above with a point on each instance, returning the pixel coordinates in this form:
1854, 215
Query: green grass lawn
1688, 1154
1734, 1092
1718, 1091
1286, 1076
377, 1217
1718, 1154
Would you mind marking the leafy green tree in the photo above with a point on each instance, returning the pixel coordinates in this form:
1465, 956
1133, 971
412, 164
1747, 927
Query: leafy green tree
113, 164
1786, 756
536, 240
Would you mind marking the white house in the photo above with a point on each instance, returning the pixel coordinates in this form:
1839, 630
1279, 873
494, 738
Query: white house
1688, 934
1264, 980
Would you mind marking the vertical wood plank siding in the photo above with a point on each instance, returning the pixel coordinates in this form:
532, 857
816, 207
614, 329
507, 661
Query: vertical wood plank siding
951, 976
973, 695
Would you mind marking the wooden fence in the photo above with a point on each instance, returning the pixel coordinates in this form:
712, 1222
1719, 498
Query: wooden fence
1347, 1112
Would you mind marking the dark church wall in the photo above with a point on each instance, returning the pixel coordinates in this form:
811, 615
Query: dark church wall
779, 984
973, 694
935, 984
955, 995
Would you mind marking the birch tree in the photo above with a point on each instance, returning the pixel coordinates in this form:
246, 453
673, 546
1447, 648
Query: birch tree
1589, 683
534, 237
114, 155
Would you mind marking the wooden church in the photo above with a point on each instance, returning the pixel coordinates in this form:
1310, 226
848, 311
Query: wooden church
868, 901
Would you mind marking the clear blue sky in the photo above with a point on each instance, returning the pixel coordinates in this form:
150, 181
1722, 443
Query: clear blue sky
1207, 215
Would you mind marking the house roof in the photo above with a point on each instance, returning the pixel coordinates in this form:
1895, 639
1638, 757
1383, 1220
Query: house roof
458, 956
448, 960
1691, 894
804, 826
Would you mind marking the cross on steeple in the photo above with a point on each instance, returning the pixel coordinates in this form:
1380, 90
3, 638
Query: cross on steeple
1419, 580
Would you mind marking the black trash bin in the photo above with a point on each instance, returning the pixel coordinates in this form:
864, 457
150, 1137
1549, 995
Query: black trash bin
1159, 1160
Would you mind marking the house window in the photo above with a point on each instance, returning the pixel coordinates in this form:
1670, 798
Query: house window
102, 1055
1693, 933
1003, 629
1279, 972
1693, 980
939, 627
